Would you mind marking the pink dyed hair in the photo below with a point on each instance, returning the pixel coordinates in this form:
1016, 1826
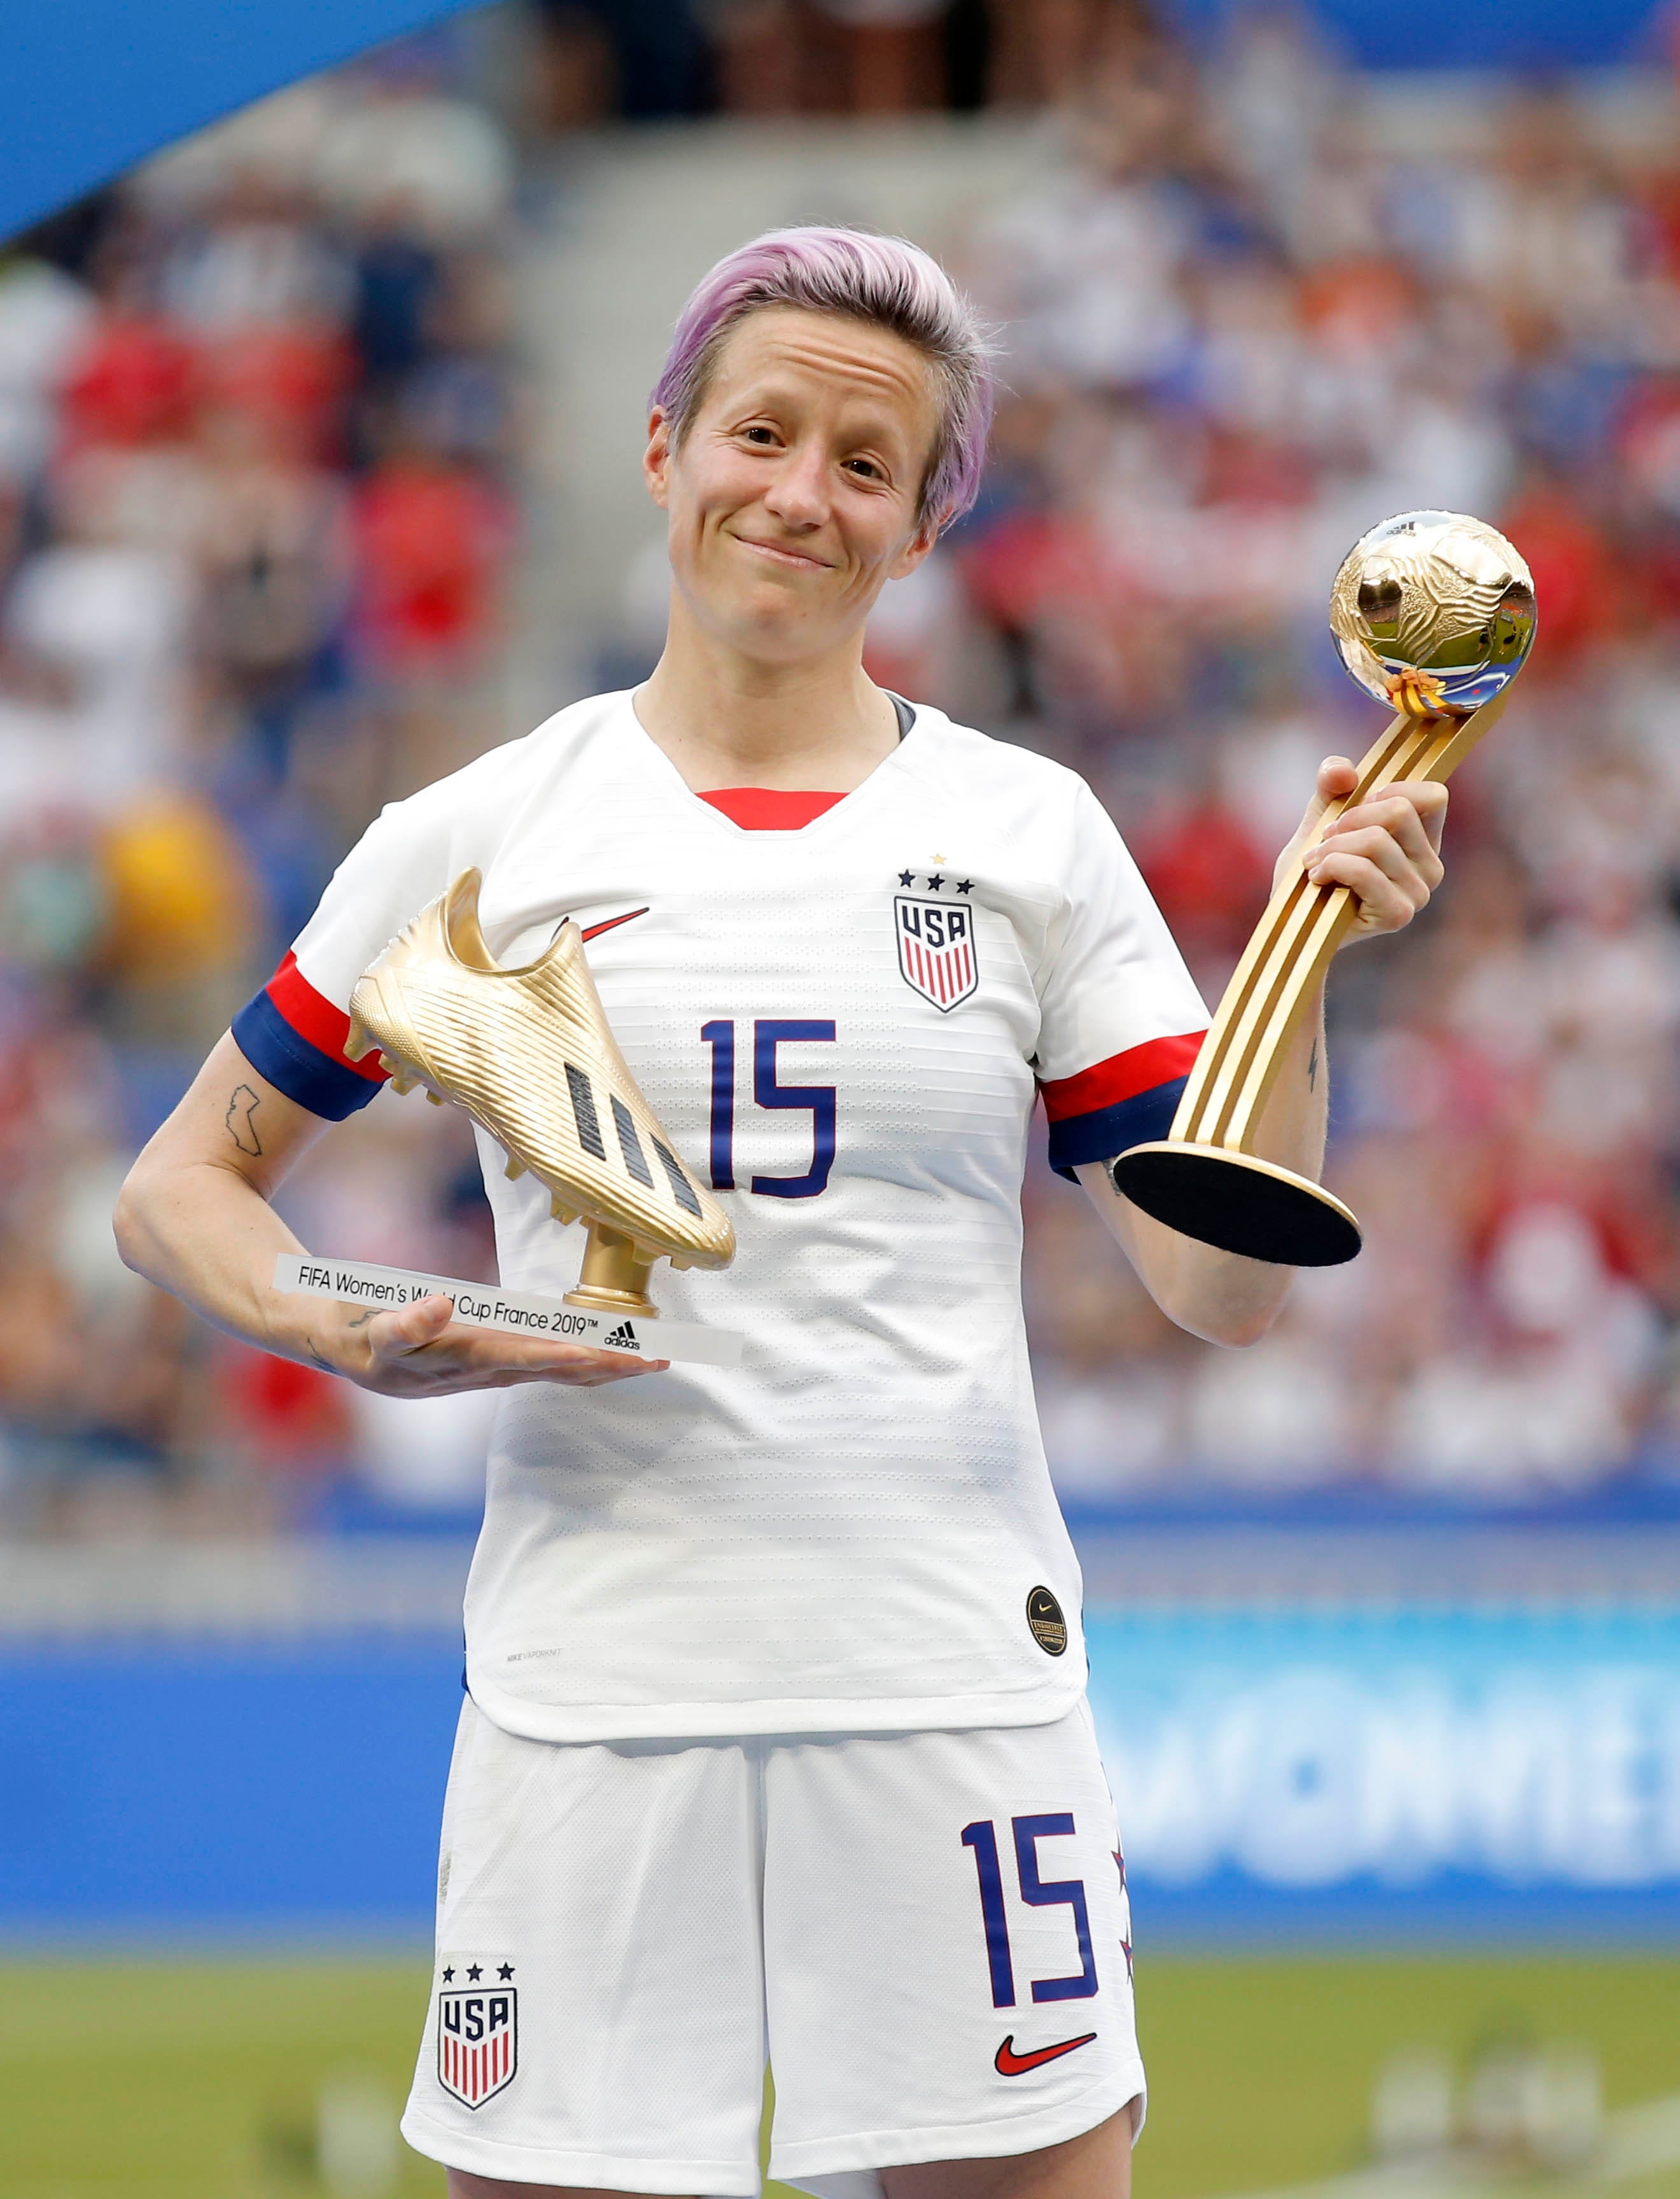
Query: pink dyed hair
885, 282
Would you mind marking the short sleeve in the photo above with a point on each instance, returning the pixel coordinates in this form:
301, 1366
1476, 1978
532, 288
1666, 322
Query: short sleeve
294, 1031
1121, 1019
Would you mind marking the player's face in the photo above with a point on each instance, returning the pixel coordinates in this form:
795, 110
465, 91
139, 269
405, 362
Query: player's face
793, 496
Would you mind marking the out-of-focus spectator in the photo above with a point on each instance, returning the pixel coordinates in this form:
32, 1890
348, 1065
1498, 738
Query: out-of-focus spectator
254, 260
256, 424
1110, 1365
253, 408
96, 628
409, 143
129, 381
1238, 333
43, 321
431, 536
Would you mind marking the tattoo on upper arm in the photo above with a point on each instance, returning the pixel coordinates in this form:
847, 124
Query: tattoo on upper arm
241, 1123
1312, 1069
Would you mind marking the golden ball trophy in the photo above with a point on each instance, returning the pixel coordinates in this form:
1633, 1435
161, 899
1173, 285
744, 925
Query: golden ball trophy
1433, 613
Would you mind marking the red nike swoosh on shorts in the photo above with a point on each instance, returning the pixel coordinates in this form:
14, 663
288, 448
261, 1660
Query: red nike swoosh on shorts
1009, 2063
596, 929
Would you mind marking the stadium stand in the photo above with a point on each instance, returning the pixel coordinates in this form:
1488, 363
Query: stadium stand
266, 447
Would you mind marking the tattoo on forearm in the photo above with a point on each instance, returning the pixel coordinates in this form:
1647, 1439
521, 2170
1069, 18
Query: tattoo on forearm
241, 1120
361, 1319
325, 1365
1312, 1069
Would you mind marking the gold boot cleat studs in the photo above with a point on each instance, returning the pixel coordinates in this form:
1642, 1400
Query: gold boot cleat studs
529, 1054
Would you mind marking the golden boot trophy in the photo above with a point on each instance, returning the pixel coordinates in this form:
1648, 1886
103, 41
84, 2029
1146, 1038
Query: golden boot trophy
1433, 613
530, 1056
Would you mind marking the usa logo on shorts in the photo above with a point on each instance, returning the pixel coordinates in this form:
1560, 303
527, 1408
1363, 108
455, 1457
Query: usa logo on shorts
478, 2031
936, 950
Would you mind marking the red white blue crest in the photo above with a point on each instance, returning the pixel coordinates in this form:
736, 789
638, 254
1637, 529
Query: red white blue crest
936, 950
477, 2033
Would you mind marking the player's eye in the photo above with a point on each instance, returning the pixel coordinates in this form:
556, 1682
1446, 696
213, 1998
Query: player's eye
760, 435
865, 468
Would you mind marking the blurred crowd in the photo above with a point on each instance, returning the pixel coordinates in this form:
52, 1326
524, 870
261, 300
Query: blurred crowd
256, 424
655, 60
259, 434
1238, 335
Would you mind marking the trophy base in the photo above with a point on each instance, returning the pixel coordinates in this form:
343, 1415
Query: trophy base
521, 1313
613, 1301
612, 1279
1231, 1200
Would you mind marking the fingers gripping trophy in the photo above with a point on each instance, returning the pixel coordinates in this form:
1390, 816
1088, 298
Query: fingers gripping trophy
1433, 613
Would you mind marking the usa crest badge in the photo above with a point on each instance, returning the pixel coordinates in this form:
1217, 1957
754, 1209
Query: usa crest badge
936, 950
478, 2031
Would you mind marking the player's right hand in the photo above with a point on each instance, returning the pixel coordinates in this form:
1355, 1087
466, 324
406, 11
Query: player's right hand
420, 1351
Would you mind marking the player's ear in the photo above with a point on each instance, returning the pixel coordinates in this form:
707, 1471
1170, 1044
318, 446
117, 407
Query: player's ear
656, 458
915, 550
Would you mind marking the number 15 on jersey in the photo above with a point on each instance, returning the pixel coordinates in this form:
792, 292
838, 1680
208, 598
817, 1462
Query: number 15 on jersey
764, 1037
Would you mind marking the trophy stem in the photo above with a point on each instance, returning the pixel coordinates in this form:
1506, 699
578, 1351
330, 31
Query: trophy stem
612, 1279
1186, 1180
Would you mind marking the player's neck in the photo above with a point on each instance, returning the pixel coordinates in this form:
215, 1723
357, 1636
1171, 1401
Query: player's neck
727, 720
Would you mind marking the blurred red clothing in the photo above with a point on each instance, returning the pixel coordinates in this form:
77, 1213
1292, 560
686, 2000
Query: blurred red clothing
291, 381
1358, 304
1208, 875
1243, 468
1623, 1201
1030, 560
431, 538
133, 382
1660, 195
1573, 568
295, 1418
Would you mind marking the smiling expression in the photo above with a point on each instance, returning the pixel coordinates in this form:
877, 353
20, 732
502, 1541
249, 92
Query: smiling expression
793, 497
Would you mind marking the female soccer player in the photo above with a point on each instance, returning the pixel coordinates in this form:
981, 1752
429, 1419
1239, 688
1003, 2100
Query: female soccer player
776, 1734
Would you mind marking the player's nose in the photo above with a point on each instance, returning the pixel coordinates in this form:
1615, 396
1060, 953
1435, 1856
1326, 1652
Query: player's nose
798, 495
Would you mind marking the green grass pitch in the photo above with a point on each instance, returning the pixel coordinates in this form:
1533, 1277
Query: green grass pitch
169, 2079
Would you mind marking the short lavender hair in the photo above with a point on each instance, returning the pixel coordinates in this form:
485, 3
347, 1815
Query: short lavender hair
885, 282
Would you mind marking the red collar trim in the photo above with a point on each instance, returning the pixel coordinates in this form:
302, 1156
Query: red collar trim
769, 808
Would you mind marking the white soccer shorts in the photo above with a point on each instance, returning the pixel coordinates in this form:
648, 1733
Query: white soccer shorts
928, 1933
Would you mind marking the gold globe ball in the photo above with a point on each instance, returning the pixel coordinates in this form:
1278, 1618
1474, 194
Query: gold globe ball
1433, 612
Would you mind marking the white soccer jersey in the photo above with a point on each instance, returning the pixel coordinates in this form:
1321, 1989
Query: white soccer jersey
843, 1028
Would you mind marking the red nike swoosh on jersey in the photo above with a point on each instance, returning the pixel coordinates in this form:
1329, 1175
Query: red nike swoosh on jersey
1009, 2063
612, 922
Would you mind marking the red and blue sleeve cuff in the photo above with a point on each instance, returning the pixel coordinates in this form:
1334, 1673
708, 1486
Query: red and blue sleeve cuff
294, 1036
1117, 1104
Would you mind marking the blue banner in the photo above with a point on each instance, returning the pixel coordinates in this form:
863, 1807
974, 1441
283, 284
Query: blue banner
1383, 1774
203, 1791
1348, 1777
97, 84
1441, 34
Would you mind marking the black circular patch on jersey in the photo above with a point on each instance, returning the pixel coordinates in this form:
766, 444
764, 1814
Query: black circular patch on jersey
1049, 1628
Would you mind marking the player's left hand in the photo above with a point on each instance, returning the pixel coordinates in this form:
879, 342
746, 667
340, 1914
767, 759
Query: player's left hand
1387, 851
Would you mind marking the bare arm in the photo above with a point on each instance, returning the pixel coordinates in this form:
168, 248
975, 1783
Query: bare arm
1388, 852
194, 1218
1218, 1295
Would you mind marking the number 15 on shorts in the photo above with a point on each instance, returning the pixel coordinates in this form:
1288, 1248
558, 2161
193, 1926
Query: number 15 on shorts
1038, 1892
